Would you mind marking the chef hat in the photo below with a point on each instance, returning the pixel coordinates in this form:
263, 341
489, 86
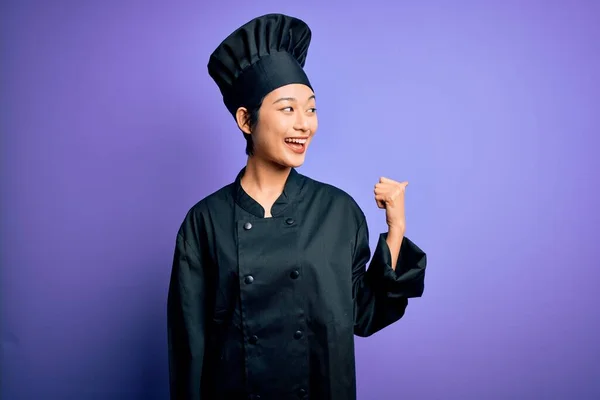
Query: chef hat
259, 57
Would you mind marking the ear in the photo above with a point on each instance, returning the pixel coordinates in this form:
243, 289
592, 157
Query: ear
241, 117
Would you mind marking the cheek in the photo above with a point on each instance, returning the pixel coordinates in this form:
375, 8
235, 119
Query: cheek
314, 125
279, 129
268, 136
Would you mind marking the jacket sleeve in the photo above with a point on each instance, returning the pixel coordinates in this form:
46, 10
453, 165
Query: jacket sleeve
381, 293
186, 322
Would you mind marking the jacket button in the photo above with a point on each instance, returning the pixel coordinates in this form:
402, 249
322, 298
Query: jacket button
289, 221
298, 335
247, 226
294, 274
249, 279
253, 339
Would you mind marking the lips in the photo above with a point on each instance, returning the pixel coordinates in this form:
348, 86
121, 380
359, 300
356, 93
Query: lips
296, 144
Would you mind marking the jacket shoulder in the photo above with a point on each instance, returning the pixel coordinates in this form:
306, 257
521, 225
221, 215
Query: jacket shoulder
198, 213
336, 197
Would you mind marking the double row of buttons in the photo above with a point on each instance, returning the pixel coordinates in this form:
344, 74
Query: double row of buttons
248, 280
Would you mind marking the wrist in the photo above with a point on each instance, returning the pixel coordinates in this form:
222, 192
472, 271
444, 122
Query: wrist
395, 231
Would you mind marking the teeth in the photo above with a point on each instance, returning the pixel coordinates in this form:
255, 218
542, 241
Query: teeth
299, 141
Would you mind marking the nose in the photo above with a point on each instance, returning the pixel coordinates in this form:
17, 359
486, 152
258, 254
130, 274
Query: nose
302, 123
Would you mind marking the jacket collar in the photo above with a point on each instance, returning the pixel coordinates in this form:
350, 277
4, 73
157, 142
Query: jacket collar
291, 193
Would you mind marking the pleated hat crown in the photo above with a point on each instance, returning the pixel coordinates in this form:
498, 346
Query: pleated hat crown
262, 55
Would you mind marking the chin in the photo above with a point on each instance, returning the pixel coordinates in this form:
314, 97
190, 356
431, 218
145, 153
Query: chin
296, 160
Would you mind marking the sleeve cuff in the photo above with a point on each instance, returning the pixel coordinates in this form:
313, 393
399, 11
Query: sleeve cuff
408, 279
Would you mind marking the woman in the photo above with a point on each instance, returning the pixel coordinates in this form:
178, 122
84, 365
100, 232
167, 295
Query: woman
269, 282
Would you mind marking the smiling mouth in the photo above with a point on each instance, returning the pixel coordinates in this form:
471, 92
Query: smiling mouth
298, 145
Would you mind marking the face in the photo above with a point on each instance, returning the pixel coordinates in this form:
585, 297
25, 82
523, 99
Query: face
287, 122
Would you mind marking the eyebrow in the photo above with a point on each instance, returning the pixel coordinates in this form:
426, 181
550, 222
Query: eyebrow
291, 99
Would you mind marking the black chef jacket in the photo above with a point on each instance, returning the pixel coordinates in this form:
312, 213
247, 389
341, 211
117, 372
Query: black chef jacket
267, 308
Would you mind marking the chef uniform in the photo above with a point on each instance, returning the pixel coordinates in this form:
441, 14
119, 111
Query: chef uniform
267, 308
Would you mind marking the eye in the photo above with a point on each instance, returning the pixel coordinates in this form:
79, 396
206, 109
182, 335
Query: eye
287, 109
312, 110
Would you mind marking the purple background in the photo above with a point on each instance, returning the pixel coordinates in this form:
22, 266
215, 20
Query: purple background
111, 129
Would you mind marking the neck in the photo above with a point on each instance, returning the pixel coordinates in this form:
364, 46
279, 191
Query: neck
264, 177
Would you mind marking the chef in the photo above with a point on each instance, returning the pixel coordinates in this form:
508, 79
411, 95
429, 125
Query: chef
272, 275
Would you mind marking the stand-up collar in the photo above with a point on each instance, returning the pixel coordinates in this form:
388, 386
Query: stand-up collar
291, 193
